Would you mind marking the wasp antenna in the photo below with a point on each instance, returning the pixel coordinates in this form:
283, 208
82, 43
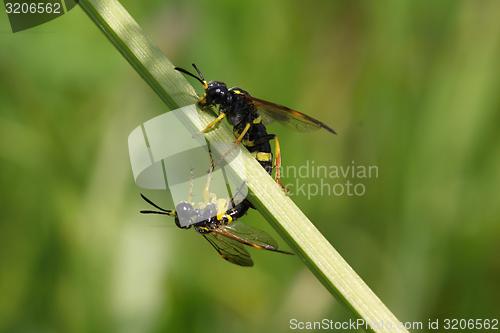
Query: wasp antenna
199, 72
182, 70
154, 212
153, 204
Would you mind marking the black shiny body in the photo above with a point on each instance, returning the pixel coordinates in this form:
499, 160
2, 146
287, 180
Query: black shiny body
240, 110
258, 142
208, 215
245, 113
221, 228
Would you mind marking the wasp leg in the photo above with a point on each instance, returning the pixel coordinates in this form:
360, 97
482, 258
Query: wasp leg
242, 134
277, 163
213, 123
207, 195
222, 207
191, 185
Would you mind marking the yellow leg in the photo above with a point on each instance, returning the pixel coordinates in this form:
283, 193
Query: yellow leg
191, 185
243, 133
222, 206
277, 161
207, 195
213, 123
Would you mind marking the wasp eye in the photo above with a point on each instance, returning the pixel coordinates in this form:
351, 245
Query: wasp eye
216, 93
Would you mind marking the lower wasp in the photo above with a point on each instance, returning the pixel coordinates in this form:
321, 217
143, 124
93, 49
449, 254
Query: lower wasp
219, 226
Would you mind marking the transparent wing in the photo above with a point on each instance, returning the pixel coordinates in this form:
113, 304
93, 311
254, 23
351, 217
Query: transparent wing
250, 236
271, 111
229, 249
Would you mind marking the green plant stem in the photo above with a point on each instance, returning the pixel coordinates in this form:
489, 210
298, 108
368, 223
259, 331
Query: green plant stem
295, 228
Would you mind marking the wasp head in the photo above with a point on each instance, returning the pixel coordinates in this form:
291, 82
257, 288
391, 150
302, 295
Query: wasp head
216, 93
185, 212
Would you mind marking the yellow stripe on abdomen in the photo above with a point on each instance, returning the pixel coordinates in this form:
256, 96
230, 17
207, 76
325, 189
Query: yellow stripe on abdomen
261, 156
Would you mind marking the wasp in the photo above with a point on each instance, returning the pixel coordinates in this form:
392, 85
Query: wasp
249, 116
219, 226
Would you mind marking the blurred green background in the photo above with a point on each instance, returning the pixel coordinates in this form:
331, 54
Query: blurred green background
411, 86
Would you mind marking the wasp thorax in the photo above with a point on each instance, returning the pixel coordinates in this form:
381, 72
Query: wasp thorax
217, 93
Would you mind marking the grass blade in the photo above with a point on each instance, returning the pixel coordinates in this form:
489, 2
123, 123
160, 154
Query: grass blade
295, 228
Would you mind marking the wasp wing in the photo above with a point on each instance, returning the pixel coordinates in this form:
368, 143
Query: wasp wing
229, 249
271, 111
250, 236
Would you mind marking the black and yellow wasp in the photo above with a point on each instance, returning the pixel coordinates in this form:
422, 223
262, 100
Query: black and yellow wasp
249, 116
219, 226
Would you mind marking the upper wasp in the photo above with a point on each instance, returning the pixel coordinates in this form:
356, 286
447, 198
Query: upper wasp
249, 116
